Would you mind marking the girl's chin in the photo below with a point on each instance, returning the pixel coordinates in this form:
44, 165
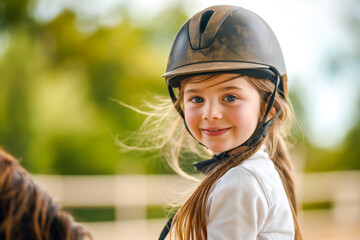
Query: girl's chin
218, 150
221, 146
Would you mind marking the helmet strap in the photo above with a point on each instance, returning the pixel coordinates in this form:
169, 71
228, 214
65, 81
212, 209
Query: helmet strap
263, 127
174, 100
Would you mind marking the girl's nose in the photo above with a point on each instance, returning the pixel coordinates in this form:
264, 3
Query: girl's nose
212, 112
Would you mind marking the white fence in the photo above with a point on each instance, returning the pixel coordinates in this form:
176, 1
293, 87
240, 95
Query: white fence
131, 194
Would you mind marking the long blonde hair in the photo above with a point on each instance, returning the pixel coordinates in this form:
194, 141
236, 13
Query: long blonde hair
173, 140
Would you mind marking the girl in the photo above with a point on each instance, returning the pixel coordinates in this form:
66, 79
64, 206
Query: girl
230, 76
27, 212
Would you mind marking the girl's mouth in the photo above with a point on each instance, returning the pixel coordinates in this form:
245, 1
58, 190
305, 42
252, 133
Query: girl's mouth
215, 131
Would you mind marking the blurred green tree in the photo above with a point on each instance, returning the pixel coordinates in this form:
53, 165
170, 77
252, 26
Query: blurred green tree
58, 81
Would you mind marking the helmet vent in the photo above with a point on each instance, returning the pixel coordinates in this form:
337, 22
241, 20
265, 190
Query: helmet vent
205, 19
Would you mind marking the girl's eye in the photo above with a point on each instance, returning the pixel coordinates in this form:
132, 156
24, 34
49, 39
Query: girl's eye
230, 98
197, 100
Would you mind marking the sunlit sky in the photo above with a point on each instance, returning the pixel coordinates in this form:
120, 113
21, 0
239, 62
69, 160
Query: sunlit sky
309, 32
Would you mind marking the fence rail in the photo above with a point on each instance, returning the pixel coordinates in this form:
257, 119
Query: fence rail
340, 190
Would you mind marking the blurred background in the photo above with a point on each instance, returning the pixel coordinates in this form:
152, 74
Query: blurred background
64, 63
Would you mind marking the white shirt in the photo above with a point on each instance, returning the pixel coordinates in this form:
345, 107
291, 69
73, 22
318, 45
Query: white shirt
249, 202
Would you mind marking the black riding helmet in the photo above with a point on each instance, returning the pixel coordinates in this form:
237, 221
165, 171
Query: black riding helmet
227, 39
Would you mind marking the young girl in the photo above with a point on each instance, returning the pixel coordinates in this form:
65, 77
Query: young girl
230, 76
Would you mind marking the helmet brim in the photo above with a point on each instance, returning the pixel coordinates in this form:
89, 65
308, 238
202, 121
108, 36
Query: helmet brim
206, 67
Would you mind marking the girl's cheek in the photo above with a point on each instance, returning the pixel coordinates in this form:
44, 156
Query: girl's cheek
245, 116
237, 112
190, 114
242, 116
192, 117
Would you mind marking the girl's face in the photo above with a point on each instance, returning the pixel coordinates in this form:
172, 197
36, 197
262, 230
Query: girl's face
220, 113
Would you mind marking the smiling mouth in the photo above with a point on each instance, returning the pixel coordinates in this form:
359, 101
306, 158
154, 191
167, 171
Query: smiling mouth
215, 131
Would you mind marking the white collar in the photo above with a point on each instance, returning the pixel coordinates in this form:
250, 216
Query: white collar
260, 153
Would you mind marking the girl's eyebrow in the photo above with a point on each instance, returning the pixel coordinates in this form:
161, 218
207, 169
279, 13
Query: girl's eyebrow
221, 89
192, 91
231, 88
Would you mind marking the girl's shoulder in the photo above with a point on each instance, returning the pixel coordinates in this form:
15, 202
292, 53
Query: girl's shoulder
255, 177
250, 196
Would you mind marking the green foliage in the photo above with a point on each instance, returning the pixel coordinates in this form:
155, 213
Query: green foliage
14, 13
57, 114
